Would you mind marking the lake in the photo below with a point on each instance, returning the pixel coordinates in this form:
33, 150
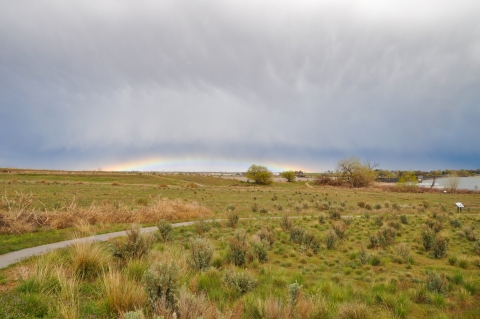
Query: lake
471, 183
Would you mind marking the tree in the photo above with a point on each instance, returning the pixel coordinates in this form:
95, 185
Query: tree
408, 181
451, 184
289, 175
259, 174
355, 173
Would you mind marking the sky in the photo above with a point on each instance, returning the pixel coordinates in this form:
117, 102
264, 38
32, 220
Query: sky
218, 85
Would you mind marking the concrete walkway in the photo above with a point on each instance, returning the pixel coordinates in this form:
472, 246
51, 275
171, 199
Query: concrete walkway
15, 256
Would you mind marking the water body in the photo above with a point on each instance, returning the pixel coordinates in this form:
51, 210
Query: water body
471, 183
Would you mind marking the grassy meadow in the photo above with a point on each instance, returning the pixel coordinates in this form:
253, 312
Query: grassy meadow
289, 250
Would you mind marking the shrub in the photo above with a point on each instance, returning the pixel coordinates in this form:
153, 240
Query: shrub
296, 235
394, 224
321, 218
286, 223
238, 251
242, 282
469, 233
348, 220
161, 285
436, 226
201, 253
254, 207
334, 213
426, 204
404, 219
232, 218
294, 293
361, 204
386, 236
363, 255
202, 226
373, 241
387, 204
456, 223
377, 206
263, 211
440, 247
428, 237
267, 235
331, 239
134, 315
402, 251
340, 229
136, 244
374, 260
396, 206
378, 220
310, 241
368, 206
476, 247
165, 229
260, 250
436, 283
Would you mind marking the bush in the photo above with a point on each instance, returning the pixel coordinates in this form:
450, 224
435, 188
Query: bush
232, 218
363, 255
310, 241
469, 233
436, 283
404, 219
267, 235
426, 204
260, 250
378, 220
286, 223
321, 218
161, 284
428, 237
263, 211
238, 250
201, 253
440, 247
373, 241
455, 223
402, 251
396, 206
334, 213
377, 206
202, 226
242, 282
340, 229
386, 236
136, 244
361, 204
254, 207
165, 229
294, 293
296, 235
476, 247
368, 206
331, 239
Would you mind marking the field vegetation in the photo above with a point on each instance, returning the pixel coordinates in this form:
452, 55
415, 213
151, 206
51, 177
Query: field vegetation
287, 250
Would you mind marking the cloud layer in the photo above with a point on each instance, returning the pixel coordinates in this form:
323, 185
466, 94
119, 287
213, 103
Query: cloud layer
85, 83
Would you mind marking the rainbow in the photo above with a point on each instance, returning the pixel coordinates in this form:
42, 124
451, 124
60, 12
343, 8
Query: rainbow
196, 165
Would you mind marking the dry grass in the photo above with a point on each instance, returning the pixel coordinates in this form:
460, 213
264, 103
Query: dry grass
88, 259
122, 294
18, 217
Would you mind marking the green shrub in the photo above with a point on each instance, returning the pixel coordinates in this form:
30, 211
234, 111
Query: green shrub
263, 211
296, 235
428, 237
374, 260
387, 204
469, 233
378, 220
377, 206
134, 315
436, 283
386, 236
242, 282
426, 204
373, 241
363, 255
440, 247
136, 245
404, 219
201, 253
286, 223
340, 229
321, 218
294, 294
331, 239
165, 229
161, 283
368, 206
310, 241
232, 218
334, 213
456, 223
396, 206
202, 226
260, 250
238, 250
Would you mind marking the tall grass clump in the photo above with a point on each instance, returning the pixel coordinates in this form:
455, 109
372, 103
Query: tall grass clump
89, 259
232, 218
296, 235
353, 310
238, 248
242, 282
286, 223
260, 249
331, 239
428, 237
201, 253
165, 229
440, 246
122, 294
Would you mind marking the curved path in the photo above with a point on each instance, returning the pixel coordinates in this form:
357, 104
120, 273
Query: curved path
15, 256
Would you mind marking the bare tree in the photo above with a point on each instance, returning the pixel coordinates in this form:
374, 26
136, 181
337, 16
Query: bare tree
355, 173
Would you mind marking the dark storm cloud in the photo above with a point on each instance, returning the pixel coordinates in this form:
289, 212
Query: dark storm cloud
84, 82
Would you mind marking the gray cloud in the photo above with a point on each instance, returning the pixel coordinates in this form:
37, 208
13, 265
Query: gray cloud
84, 82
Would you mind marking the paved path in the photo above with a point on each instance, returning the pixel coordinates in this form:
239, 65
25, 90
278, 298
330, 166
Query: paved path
15, 256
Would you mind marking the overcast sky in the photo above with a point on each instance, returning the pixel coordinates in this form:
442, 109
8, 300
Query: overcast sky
193, 85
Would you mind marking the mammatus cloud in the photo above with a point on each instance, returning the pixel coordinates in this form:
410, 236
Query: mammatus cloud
87, 84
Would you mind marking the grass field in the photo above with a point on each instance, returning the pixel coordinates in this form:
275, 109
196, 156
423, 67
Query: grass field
370, 263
